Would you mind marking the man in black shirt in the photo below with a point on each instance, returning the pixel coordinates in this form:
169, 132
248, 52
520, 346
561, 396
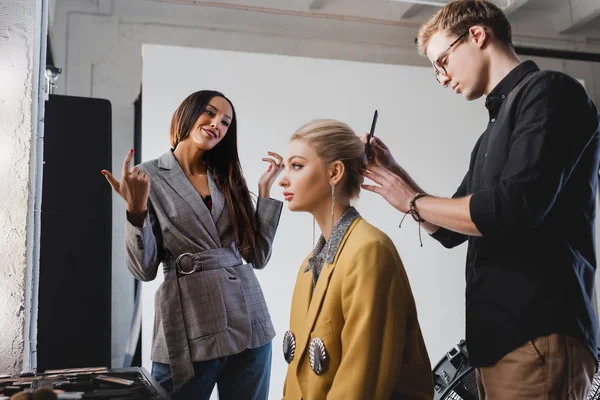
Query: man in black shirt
526, 207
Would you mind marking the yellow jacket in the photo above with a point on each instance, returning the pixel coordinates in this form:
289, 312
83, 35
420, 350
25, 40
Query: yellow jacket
363, 310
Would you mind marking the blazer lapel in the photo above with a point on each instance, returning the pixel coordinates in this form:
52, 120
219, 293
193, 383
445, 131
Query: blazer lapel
314, 306
175, 177
218, 200
303, 294
318, 294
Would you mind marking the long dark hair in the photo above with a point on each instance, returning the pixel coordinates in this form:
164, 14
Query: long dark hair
224, 164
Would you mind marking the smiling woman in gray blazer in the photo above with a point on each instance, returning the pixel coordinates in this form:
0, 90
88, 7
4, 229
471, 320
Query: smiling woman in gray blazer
191, 210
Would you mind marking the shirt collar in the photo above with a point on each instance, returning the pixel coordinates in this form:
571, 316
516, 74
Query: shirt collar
326, 251
496, 97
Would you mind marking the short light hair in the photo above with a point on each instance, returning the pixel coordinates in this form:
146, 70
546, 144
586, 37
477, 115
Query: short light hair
335, 141
458, 16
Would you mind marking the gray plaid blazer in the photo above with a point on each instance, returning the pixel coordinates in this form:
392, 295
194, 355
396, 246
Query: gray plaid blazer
219, 310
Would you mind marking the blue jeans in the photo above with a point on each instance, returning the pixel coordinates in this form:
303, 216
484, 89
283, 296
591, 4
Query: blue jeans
241, 376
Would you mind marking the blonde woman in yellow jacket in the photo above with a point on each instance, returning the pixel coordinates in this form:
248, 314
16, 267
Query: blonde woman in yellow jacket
354, 331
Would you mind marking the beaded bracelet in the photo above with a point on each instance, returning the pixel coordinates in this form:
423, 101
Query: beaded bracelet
414, 213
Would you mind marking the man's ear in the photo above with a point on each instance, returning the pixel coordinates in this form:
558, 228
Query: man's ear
480, 34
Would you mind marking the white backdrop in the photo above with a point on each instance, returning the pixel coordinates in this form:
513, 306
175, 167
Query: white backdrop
431, 132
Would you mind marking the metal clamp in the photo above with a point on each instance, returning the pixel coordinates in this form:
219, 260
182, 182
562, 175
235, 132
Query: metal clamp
456, 356
178, 264
450, 354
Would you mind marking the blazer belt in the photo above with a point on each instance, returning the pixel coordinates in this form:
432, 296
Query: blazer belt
188, 263
182, 369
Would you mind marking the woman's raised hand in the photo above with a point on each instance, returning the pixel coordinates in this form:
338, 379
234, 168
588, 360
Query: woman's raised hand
134, 187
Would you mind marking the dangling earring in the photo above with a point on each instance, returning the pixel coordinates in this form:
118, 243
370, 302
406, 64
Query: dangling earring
331, 232
332, 204
313, 233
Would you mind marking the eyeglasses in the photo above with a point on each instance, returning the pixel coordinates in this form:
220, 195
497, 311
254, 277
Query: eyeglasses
437, 64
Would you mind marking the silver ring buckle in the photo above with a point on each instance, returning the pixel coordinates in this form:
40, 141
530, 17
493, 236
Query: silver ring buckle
178, 264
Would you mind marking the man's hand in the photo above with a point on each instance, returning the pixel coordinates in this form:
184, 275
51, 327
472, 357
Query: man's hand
380, 154
391, 187
397, 188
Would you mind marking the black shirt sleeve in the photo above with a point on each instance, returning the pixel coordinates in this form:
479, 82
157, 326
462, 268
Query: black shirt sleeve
446, 237
552, 129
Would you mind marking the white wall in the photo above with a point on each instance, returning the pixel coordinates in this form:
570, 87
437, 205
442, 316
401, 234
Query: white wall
98, 45
19, 61
273, 96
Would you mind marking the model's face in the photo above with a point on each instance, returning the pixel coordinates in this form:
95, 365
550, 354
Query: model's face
305, 178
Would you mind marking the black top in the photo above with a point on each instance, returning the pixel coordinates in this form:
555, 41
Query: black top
534, 176
208, 201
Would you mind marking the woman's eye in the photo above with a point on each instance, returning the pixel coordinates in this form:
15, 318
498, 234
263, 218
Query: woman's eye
296, 167
209, 112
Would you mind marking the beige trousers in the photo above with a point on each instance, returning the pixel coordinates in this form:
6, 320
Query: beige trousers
547, 368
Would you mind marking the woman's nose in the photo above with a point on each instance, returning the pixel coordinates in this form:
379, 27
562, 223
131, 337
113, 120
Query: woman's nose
215, 122
283, 182
444, 80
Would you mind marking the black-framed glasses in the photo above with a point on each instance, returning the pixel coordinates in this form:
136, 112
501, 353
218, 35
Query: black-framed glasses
437, 65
